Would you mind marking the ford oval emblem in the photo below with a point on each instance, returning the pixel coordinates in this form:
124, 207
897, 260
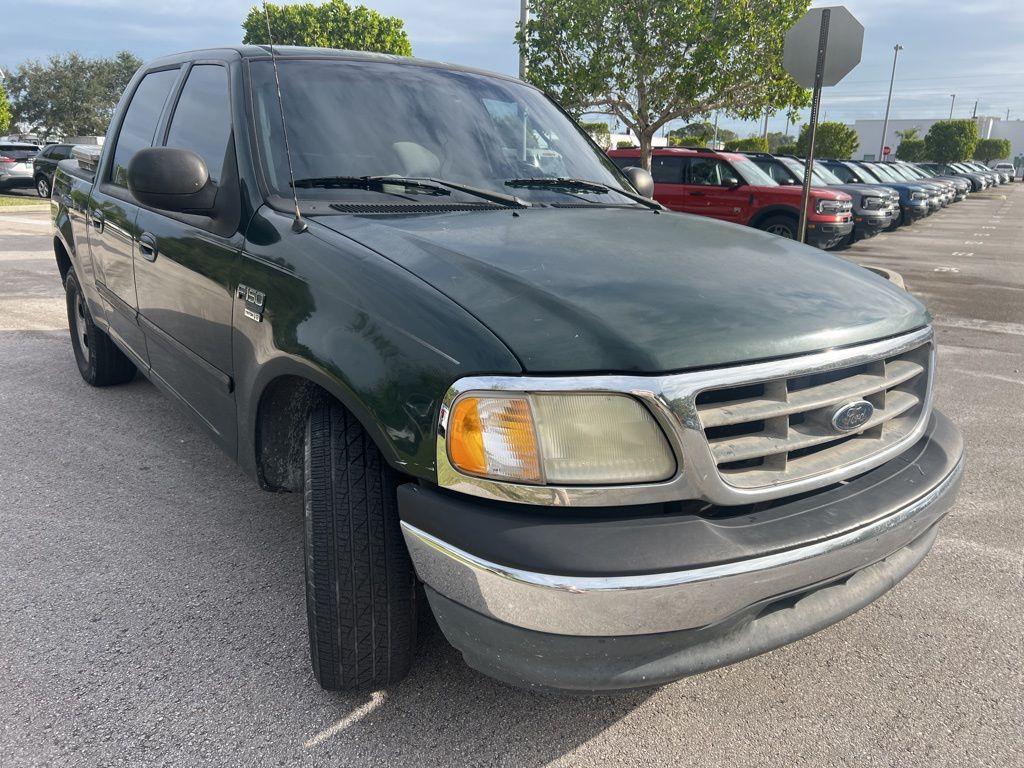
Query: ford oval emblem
852, 416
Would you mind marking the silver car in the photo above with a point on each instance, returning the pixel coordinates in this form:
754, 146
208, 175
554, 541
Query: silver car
16, 164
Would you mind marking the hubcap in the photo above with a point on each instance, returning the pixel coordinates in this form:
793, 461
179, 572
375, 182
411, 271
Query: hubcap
81, 329
781, 230
43, 187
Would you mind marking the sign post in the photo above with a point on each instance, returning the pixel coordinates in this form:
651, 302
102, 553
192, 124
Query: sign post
820, 50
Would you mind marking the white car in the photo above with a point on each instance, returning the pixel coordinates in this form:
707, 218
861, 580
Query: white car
16, 163
1007, 169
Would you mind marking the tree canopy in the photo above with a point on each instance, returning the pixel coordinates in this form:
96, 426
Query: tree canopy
951, 141
992, 149
5, 110
333, 24
832, 139
69, 95
911, 149
647, 62
750, 144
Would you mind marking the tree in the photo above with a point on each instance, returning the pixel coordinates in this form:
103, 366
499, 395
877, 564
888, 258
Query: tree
69, 95
776, 139
333, 24
908, 134
647, 62
702, 131
912, 150
951, 141
752, 144
992, 149
836, 140
786, 149
5, 111
599, 131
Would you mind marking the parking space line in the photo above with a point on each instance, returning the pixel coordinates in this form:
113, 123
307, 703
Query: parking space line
353, 717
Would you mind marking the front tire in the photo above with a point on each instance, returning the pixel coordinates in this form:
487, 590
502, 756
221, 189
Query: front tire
43, 187
99, 360
783, 226
360, 584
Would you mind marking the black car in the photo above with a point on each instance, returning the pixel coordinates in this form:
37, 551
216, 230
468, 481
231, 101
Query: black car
44, 165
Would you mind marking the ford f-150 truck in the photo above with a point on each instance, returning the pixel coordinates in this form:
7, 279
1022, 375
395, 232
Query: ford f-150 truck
605, 444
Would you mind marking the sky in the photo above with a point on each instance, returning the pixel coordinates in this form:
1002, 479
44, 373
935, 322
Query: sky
974, 48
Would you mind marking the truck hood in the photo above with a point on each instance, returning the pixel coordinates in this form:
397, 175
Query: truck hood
630, 290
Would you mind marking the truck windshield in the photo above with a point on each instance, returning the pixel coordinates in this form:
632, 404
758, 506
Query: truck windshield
349, 119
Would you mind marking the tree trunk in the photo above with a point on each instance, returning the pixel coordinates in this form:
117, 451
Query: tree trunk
646, 138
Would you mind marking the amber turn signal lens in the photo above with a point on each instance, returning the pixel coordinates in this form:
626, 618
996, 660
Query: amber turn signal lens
494, 436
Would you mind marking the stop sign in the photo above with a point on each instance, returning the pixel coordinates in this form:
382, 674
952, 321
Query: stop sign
886, 150
845, 40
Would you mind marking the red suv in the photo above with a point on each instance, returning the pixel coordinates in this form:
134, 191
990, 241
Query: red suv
731, 187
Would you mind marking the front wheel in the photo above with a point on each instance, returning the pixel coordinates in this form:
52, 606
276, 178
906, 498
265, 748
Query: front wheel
43, 187
99, 360
783, 226
360, 585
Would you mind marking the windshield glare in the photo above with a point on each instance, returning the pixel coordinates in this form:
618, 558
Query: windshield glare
751, 173
369, 118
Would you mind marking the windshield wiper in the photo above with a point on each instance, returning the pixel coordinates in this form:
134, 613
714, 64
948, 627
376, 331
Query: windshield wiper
579, 185
428, 184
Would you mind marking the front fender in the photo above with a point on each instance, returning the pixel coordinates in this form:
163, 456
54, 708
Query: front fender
377, 338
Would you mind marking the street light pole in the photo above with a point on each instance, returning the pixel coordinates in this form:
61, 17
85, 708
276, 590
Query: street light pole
888, 102
524, 18
951, 104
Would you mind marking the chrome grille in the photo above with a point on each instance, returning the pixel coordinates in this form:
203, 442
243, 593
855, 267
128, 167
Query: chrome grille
777, 431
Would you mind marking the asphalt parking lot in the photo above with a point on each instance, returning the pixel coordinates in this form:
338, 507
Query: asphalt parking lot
152, 608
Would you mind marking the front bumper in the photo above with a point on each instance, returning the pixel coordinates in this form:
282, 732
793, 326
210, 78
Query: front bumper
915, 210
867, 225
602, 598
827, 234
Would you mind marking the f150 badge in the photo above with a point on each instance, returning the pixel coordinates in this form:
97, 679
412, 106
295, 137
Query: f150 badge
253, 302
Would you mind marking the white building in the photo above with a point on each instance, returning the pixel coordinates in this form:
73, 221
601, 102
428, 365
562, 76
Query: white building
870, 134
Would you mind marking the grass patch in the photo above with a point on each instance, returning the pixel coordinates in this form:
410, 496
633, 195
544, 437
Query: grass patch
11, 201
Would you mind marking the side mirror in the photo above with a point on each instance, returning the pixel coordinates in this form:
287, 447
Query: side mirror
172, 180
641, 180
732, 182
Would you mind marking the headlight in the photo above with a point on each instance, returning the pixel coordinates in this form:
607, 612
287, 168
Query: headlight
557, 438
918, 195
873, 203
833, 206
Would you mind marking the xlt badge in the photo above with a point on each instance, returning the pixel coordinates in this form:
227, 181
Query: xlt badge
253, 302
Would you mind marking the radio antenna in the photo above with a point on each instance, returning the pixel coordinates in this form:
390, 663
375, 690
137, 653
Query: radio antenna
298, 225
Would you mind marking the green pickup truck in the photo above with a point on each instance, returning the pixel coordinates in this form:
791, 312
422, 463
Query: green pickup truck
604, 444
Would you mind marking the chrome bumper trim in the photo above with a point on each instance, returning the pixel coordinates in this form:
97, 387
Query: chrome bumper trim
661, 602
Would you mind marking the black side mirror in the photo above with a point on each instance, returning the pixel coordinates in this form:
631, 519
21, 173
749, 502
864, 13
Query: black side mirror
172, 180
641, 180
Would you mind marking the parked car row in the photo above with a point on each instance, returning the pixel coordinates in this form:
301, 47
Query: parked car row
24, 164
850, 200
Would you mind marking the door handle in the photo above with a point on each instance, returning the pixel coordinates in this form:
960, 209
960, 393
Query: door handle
697, 194
147, 246
96, 217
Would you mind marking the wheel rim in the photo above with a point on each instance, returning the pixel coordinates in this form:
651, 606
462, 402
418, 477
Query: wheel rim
782, 230
43, 188
81, 327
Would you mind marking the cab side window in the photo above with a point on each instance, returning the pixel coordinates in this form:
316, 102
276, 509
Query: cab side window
202, 117
61, 152
140, 121
667, 170
842, 172
708, 172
